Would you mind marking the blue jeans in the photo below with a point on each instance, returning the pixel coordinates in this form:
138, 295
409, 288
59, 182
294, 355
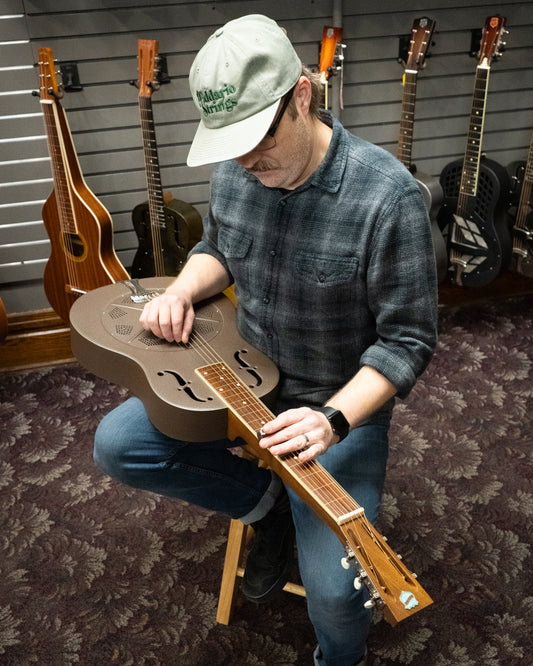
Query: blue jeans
130, 449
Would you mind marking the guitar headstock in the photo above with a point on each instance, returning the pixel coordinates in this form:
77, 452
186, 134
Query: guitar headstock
422, 32
148, 54
48, 87
389, 581
491, 40
329, 48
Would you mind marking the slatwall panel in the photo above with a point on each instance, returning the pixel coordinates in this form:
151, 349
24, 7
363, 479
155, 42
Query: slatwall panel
101, 36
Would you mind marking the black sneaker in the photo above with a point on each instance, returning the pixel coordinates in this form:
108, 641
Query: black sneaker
270, 558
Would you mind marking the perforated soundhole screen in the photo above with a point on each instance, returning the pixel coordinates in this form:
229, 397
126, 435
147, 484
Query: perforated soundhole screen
121, 320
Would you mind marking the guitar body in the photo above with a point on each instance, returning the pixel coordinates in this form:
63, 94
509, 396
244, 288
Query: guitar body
107, 338
217, 386
182, 229
520, 215
88, 256
488, 232
433, 196
78, 225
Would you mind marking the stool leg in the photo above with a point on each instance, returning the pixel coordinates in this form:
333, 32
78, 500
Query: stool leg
234, 549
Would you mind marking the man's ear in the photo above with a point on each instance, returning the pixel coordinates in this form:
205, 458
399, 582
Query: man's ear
303, 94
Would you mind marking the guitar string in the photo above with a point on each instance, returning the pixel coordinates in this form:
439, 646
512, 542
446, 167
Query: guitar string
261, 413
154, 206
334, 494
520, 243
469, 180
50, 113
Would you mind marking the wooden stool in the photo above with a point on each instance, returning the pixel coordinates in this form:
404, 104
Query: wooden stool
237, 540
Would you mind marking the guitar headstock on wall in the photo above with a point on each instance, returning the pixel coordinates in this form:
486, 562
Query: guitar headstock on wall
421, 35
491, 40
147, 57
49, 90
329, 52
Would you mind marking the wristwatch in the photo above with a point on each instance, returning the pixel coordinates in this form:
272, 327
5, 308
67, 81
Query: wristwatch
337, 420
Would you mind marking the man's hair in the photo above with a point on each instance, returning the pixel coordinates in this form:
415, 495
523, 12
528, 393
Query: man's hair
317, 95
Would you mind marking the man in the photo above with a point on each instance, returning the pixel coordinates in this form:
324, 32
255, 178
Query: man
328, 244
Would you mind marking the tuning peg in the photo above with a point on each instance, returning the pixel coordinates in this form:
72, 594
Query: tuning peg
370, 603
357, 583
399, 556
345, 562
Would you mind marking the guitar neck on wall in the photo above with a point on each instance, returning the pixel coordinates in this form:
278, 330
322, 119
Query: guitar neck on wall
479, 238
79, 227
166, 228
522, 260
422, 32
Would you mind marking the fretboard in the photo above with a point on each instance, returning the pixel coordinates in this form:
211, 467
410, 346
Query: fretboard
405, 141
322, 492
153, 178
470, 172
58, 136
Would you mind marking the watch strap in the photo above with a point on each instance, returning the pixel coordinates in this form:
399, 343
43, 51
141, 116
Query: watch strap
338, 422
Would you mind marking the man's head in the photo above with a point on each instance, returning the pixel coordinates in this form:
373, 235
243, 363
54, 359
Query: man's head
237, 80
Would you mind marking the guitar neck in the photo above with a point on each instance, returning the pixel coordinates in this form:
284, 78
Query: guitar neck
151, 162
387, 578
405, 140
64, 161
472, 158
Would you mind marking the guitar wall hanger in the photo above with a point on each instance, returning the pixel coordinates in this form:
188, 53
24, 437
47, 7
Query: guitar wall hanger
70, 76
160, 74
404, 44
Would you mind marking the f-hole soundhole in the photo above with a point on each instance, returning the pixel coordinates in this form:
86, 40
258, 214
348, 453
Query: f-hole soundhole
238, 356
184, 385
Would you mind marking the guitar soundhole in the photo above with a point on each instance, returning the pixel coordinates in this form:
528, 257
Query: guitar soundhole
123, 329
116, 313
207, 324
150, 340
74, 245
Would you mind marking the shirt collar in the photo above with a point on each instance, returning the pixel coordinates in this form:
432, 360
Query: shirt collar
329, 174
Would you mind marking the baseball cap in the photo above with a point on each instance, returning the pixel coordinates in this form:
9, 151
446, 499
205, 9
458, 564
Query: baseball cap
236, 81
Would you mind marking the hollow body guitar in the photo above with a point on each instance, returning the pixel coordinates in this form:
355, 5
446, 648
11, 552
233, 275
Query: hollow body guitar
521, 214
479, 238
430, 187
78, 225
166, 228
219, 386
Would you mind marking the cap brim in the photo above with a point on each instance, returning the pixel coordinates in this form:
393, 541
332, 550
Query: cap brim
231, 141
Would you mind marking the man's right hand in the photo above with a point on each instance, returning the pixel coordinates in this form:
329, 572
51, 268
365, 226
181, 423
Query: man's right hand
169, 316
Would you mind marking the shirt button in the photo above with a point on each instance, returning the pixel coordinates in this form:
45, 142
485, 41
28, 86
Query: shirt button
266, 300
321, 277
269, 336
272, 253
283, 203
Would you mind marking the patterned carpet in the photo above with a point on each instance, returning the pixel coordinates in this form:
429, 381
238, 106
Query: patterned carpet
93, 573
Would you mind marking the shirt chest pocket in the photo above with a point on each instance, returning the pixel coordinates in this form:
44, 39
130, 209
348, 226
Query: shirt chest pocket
233, 244
325, 271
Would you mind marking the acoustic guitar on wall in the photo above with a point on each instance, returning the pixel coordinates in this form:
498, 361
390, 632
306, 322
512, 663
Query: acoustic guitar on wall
166, 228
78, 225
421, 34
479, 238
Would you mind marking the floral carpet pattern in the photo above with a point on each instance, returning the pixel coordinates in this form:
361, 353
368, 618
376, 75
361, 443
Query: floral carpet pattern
94, 573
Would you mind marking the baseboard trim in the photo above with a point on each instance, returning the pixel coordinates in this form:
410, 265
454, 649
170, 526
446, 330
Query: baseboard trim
35, 339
